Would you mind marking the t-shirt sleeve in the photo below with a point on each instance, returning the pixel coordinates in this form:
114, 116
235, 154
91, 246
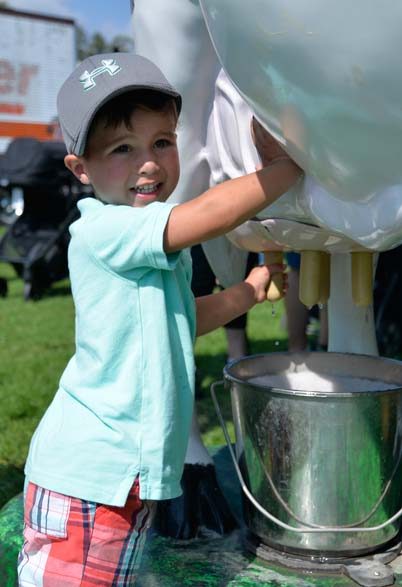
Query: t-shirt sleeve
124, 239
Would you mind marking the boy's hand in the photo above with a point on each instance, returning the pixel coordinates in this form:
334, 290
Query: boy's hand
268, 148
260, 277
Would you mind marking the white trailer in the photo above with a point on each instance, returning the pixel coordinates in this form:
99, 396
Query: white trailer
37, 53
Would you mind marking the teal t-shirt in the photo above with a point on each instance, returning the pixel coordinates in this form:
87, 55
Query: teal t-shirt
125, 400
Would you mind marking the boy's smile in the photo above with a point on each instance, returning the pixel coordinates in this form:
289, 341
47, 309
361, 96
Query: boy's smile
133, 166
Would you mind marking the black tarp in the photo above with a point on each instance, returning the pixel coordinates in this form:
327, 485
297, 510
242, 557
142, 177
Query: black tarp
28, 162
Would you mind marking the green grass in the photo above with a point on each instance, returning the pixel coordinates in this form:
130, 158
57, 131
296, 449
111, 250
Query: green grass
37, 340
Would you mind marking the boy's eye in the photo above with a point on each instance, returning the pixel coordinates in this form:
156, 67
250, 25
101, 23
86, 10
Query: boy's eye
163, 143
122, 149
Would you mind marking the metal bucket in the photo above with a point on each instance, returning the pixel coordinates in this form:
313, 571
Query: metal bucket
320, 466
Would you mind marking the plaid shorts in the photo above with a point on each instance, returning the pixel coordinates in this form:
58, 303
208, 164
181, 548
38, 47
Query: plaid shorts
70, 542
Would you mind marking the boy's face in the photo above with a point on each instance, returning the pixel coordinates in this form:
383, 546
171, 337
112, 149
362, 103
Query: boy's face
132, 166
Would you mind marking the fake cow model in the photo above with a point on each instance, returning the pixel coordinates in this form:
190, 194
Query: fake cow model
324, 78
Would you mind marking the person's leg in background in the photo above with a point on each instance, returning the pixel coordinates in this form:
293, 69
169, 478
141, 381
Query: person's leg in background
300, 320
236, 330
323, 335
203, 283
297, 315
203, 280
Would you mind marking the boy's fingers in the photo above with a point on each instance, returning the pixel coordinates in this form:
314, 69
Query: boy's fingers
269, 149
277, 285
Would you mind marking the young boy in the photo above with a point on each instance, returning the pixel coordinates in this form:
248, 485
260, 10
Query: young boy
114, 438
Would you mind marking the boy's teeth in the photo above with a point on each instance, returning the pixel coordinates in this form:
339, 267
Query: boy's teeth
146, 189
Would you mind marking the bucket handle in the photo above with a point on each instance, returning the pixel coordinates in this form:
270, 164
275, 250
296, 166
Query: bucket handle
262, 510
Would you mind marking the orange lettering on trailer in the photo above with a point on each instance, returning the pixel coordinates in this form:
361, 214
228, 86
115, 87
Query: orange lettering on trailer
26, 73
16, 78
8, 108
25, 129
7, 77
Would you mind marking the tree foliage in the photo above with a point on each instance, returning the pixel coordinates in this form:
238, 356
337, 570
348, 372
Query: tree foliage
96, 43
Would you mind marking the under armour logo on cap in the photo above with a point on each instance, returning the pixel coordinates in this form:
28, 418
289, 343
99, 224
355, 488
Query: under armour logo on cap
108, 66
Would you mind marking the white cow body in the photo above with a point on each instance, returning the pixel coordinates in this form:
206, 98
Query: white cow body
322, 78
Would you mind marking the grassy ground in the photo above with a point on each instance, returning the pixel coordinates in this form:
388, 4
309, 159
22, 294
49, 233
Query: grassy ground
36, 341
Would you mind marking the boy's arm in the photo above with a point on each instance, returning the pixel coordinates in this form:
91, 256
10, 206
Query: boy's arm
218, 309
225, 206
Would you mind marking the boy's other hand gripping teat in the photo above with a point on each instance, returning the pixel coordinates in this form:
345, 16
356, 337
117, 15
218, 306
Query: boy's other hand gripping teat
260, 277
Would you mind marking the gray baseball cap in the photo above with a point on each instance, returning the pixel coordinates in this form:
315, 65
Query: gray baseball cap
94, 82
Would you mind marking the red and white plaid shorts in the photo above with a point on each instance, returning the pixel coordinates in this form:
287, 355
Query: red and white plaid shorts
70, 542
